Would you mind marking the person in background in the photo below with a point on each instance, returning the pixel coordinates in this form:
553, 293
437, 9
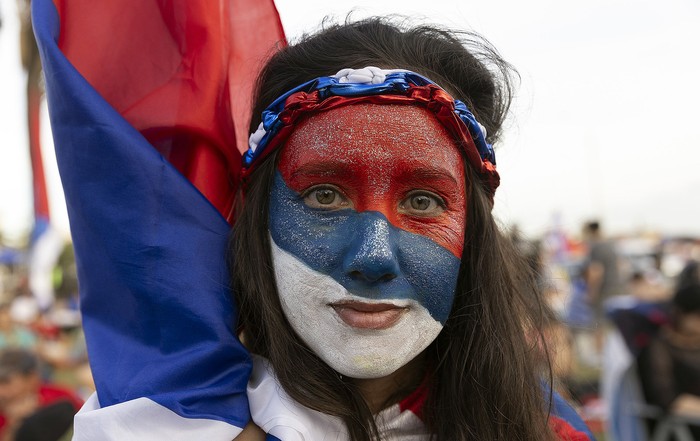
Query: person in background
602, 277
50, 423
602, 272
669, 367
22, 393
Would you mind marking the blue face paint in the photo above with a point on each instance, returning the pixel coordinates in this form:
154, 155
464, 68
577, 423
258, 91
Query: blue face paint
364, 253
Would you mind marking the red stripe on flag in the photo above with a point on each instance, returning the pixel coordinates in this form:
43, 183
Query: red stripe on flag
181, 72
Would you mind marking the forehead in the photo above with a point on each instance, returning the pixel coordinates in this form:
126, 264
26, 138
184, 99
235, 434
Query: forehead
373, 133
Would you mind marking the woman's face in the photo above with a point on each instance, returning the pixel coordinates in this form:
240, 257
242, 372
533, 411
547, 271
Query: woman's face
367, 218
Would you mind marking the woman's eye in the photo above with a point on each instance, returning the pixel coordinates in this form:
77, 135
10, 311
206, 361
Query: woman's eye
326, 198
422, 204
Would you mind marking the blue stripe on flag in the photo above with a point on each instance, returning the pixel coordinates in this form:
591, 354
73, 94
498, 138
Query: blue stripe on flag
151, 257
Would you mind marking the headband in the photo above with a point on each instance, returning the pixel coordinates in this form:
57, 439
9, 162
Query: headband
376, 86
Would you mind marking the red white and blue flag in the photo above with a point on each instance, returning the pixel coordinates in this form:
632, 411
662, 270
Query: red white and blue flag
149, 224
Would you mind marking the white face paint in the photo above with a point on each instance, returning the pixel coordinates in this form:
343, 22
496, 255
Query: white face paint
376, 345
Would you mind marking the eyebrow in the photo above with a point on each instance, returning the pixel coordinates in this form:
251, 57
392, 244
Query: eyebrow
324, 168
430, 174
341, 169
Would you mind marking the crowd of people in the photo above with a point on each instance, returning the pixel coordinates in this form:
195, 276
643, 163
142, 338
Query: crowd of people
626, 297
44, 371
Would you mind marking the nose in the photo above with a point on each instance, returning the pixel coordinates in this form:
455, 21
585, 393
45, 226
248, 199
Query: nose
372, 257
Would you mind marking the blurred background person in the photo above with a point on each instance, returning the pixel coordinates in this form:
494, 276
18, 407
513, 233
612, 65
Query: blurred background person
669, 366
601, 275
23, 393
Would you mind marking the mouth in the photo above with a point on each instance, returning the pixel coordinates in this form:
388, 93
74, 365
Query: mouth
369, 315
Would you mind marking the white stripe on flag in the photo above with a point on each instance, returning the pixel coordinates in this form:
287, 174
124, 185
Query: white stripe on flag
278, 414
144, 420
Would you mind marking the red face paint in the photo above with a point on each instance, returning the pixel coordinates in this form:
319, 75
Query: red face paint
394, 159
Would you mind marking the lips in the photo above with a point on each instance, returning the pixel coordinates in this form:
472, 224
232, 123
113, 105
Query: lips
369, 315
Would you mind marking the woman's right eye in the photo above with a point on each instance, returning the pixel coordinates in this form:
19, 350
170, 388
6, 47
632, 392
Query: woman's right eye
326, 198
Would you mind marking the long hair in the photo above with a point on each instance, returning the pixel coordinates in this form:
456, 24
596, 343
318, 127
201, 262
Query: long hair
485, 383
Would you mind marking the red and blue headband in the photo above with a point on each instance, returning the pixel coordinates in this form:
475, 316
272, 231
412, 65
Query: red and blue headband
376, 86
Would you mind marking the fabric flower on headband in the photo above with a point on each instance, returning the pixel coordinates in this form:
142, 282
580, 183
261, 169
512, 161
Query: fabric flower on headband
377, 86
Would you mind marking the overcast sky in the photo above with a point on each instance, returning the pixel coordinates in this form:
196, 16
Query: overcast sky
604, 124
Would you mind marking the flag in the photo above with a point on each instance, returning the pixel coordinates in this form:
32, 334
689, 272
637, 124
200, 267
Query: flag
138, 94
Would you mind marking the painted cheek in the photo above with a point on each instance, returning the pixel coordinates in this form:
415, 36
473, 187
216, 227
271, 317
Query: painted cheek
447, 230
317, 238
431, 271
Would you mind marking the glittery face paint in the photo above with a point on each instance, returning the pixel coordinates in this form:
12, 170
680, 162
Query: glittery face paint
367, 217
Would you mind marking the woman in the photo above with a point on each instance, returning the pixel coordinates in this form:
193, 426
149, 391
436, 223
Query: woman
380, 276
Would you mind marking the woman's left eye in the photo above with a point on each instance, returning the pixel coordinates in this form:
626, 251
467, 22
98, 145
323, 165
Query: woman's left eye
422, 204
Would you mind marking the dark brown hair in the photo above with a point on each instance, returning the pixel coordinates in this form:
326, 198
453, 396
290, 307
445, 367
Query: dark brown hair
485, 384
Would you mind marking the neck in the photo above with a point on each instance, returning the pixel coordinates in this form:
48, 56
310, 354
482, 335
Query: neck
382, 392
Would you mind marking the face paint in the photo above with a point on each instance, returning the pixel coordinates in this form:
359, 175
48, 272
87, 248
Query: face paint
367, 217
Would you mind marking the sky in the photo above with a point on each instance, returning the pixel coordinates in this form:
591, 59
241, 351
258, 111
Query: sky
603, 125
